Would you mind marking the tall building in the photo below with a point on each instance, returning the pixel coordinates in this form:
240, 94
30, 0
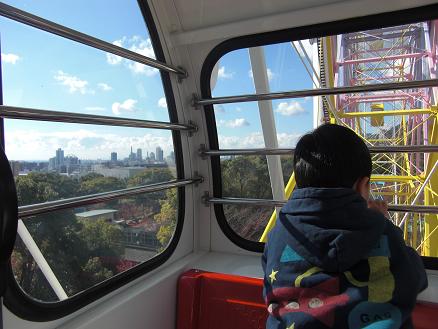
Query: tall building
72, 164
132, 155
59, 157
139, 155
152, 156
113, 156
52, 164
159, 154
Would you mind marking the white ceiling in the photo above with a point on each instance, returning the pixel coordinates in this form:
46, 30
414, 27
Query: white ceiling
196, 14
195, 21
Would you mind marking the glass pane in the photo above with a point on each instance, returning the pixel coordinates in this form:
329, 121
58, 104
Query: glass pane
88, 245
53, 161
108, 20
70, 77
404, 117
248, 222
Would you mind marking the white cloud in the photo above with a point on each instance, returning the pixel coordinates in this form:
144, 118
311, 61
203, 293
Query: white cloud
289, 109
222, 74
114, 59
269, 72
10, 58
32, 145
138, 45
162, 103
127, 105
73, 83
104, 87
255, 140
236, 123
94, 109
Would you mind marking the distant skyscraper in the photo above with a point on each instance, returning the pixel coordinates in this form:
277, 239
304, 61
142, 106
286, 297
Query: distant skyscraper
59, 157
132, 155
139, 155
113, 156
152, 156
159, 154
52, 164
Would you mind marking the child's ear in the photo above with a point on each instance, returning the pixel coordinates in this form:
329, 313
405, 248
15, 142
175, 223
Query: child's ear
362, 186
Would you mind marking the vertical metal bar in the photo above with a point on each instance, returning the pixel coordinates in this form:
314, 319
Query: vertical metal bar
261, 83
30, 244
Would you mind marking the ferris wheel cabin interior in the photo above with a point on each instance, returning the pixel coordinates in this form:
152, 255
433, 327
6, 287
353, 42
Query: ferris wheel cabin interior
148, 145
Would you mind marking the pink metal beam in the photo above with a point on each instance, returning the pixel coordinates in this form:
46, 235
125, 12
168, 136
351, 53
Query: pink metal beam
387, 97
384, 58
369, 51
388, 77
362, 39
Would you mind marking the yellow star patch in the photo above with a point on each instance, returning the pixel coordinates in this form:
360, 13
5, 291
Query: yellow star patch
272, 276
292, 326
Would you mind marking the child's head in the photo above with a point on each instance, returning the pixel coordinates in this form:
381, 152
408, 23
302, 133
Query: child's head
332, 156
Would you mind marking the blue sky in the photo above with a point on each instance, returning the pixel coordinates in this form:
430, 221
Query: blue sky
44, 71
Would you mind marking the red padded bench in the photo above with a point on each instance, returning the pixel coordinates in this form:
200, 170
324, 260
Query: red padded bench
221, 301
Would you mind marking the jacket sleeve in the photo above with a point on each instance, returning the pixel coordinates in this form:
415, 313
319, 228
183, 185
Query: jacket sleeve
412, 260
418, 268
264, 260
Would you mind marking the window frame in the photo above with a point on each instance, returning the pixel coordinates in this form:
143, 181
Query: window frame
24, 306
357, 24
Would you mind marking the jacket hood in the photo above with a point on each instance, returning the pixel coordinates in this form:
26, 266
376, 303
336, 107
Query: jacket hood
331, 228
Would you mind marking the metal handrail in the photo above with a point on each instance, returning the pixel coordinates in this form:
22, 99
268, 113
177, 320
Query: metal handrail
289, 151
280, 203
65, 32
41, 208
317, 92
11, 112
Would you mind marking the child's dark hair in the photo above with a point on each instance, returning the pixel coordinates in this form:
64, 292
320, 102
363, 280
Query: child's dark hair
331, 156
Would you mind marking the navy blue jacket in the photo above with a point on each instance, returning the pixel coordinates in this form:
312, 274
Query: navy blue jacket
330, 262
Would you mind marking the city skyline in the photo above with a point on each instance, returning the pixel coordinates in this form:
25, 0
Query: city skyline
73, 165
61, 154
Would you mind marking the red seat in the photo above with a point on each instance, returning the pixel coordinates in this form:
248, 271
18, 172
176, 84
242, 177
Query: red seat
221, 301
425, 316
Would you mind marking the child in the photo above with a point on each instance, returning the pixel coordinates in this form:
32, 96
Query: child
333, 260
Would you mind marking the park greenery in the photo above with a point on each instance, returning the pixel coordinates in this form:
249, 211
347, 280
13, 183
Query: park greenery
83, 253
80, 252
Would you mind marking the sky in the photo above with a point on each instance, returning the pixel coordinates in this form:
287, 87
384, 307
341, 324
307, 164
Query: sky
44, 71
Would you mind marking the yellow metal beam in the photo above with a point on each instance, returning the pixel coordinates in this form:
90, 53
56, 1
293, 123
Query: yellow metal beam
287, 193
394, 178
405, 142
381, 140
390, 193
387, 113
430, 246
